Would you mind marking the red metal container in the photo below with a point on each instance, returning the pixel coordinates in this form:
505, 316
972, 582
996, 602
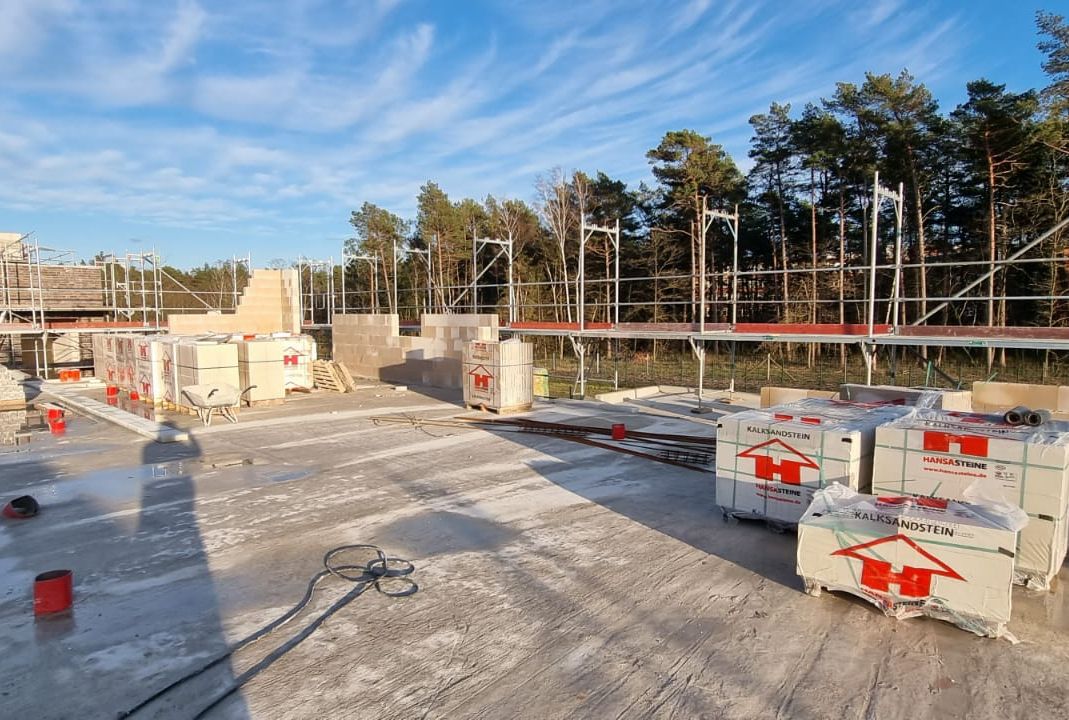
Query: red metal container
112, 390
619, 431
134, 396
55, 414
53, 592
58, 427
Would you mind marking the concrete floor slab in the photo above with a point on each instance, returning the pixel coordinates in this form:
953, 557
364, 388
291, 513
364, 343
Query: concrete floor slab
556, 581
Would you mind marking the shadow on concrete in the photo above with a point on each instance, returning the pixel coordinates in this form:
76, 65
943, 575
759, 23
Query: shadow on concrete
673, 501
145, 609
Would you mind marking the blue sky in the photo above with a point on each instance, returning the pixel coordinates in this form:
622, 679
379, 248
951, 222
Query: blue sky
206, 128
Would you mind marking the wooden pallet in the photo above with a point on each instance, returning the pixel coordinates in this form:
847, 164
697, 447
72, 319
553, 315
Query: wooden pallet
329, 376
346, 376
500, 411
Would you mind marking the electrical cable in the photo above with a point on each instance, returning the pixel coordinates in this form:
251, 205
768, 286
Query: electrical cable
372, 574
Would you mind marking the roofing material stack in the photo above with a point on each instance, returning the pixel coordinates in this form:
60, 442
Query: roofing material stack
913, 556
941, 454
770, 462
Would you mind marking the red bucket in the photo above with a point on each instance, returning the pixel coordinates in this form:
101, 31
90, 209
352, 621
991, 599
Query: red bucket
619, 431
112, 390
21, 508
55, 414
53, 592
58, 427
134, 396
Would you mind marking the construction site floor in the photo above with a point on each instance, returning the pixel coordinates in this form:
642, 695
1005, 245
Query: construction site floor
556, 580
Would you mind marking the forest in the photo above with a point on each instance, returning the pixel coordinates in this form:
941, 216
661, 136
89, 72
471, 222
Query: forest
977, 182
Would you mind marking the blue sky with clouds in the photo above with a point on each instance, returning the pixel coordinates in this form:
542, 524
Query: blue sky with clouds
209, 128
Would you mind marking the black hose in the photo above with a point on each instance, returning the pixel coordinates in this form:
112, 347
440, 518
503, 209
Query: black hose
372, 574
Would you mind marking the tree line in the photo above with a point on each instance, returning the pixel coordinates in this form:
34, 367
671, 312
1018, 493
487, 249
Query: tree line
977, 181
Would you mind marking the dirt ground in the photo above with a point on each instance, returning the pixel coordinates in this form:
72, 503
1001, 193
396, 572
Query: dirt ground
555, 581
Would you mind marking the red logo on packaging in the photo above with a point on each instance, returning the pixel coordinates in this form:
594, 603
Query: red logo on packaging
787, 470
290, 359
974, 445
481, 377
913, 581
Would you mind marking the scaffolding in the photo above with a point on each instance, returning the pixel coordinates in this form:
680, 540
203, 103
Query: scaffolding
127, 292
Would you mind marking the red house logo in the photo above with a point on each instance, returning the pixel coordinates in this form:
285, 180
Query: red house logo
974, 445
913, 580
481, 378
776, 460
289, 359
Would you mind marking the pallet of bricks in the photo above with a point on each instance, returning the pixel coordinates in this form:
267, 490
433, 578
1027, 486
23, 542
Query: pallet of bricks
498, 375
299, 352
958, 456
913, 556
888, 507
770, 462
266, 367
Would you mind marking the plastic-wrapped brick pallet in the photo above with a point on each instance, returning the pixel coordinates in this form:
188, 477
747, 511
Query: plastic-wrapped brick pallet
913, 556
942, 454
769, 462
298, 354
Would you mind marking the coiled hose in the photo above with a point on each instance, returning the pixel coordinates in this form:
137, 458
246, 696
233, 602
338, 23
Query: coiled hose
372, 574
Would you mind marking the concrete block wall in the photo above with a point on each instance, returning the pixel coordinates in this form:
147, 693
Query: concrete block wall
998, 397
371, 346
10, 389
11, 421
269, 304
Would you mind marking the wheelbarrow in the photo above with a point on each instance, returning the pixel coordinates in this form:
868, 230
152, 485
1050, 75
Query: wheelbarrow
209, 398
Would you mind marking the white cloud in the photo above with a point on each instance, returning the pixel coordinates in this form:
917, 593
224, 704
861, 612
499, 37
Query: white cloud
232, 117
24, 25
